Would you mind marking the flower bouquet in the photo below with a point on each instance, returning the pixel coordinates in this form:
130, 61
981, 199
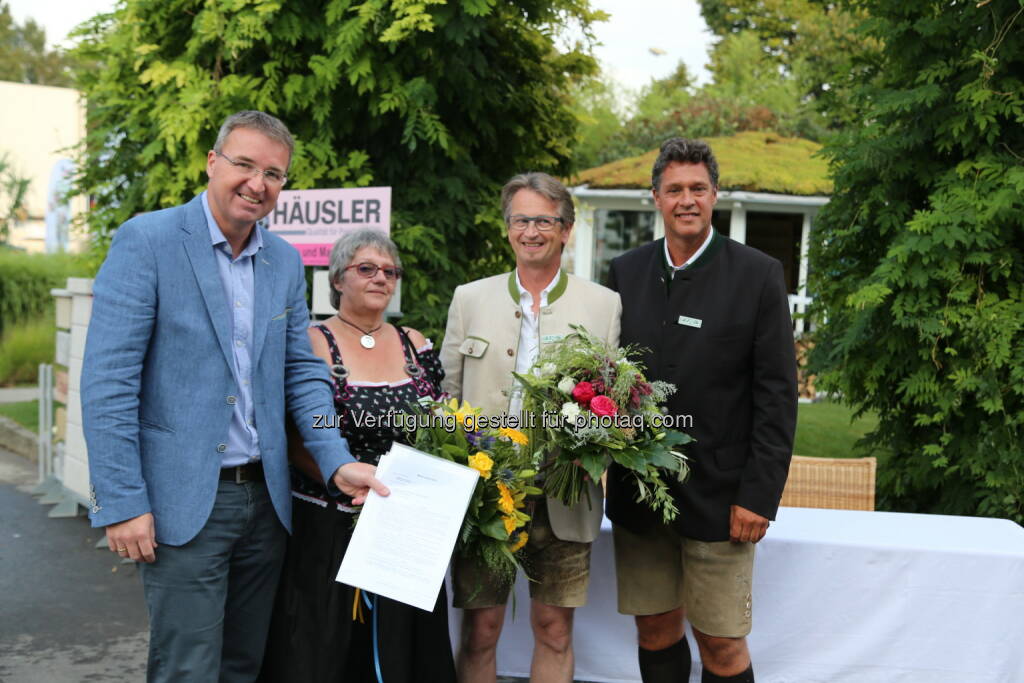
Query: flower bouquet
588, 404
494, 527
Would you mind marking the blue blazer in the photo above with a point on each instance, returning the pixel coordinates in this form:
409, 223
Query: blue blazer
157, 387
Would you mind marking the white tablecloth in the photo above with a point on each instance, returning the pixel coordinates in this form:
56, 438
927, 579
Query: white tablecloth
840, 597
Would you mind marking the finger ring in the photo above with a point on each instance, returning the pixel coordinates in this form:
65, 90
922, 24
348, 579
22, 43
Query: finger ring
121, 550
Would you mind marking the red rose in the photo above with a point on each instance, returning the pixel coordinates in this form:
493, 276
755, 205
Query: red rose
583, 392
602, 405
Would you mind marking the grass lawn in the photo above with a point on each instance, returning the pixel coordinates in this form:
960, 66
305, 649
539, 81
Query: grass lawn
824, 430
26, 414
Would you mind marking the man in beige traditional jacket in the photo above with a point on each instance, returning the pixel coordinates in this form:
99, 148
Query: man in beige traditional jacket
496, 326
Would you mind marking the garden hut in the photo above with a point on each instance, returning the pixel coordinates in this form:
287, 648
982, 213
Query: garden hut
770, 189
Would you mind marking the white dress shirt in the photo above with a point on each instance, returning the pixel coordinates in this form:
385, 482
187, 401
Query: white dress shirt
529, 334
696, 255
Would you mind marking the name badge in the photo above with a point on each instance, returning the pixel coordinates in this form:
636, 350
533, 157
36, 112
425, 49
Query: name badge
689, 322
551, 338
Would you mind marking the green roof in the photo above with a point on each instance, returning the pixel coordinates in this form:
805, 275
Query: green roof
754, 161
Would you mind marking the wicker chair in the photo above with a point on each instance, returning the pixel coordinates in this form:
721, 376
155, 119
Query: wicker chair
836, 483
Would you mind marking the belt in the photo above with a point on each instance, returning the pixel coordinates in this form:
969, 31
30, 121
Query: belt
243, 473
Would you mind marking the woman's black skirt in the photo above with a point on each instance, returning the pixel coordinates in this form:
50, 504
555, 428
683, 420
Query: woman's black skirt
313, 636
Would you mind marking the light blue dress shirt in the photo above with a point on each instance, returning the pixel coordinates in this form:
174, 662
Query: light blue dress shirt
236, 276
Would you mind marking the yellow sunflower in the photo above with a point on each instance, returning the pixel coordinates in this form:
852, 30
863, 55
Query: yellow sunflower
510, 523
463, 414
514, 435
521, 540
506, 503
482, 463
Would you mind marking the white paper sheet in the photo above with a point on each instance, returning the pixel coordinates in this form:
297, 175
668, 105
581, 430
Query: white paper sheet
402, 544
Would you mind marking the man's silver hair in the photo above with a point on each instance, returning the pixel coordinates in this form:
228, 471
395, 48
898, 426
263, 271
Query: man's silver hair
544, 185
271, 126
345, 248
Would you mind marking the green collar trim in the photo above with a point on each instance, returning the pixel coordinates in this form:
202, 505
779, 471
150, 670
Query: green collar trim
559, 289
556, 291
717, 242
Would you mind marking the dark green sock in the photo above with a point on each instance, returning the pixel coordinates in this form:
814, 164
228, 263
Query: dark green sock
671, 665
743, 677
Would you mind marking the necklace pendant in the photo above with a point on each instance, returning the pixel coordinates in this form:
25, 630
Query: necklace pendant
367, 342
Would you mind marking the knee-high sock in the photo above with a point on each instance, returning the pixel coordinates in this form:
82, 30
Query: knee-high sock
671, 665
743, 677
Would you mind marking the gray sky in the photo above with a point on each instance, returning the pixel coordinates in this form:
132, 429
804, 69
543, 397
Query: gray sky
58, 17
674, 27
636, 26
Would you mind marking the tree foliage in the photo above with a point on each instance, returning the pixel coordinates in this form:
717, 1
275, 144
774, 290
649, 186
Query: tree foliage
13, 188
814, 44
600, 105
746, 93
775, 22
918, 260
24, 57
756, 98
443, 101
764, 79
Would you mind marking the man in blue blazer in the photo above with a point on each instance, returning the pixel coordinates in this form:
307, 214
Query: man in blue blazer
197, 346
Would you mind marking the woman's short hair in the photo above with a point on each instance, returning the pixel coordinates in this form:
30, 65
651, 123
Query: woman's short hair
544, 185
345, 248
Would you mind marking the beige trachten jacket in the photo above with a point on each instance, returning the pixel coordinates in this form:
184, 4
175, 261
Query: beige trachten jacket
479, 353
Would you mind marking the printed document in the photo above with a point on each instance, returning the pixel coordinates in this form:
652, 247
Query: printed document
402, 544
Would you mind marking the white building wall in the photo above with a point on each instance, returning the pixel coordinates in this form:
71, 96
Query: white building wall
39, 124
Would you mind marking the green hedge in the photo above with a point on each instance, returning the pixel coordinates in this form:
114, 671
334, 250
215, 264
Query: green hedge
23, 347
26, 281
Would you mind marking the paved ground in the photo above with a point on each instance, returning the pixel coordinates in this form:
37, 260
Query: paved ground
70, 613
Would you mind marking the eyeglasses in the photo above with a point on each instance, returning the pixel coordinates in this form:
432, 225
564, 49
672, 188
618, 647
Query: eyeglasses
543, 223
272, 177
369, 270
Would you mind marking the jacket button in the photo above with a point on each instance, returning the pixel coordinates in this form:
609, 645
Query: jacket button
519, 314
221, 447
231, 400
511, 352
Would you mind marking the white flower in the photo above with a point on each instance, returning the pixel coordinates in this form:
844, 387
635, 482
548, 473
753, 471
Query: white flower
548, 369
566, 385
570, 410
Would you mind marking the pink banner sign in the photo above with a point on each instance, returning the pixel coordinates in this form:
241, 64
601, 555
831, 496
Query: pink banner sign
311, 220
